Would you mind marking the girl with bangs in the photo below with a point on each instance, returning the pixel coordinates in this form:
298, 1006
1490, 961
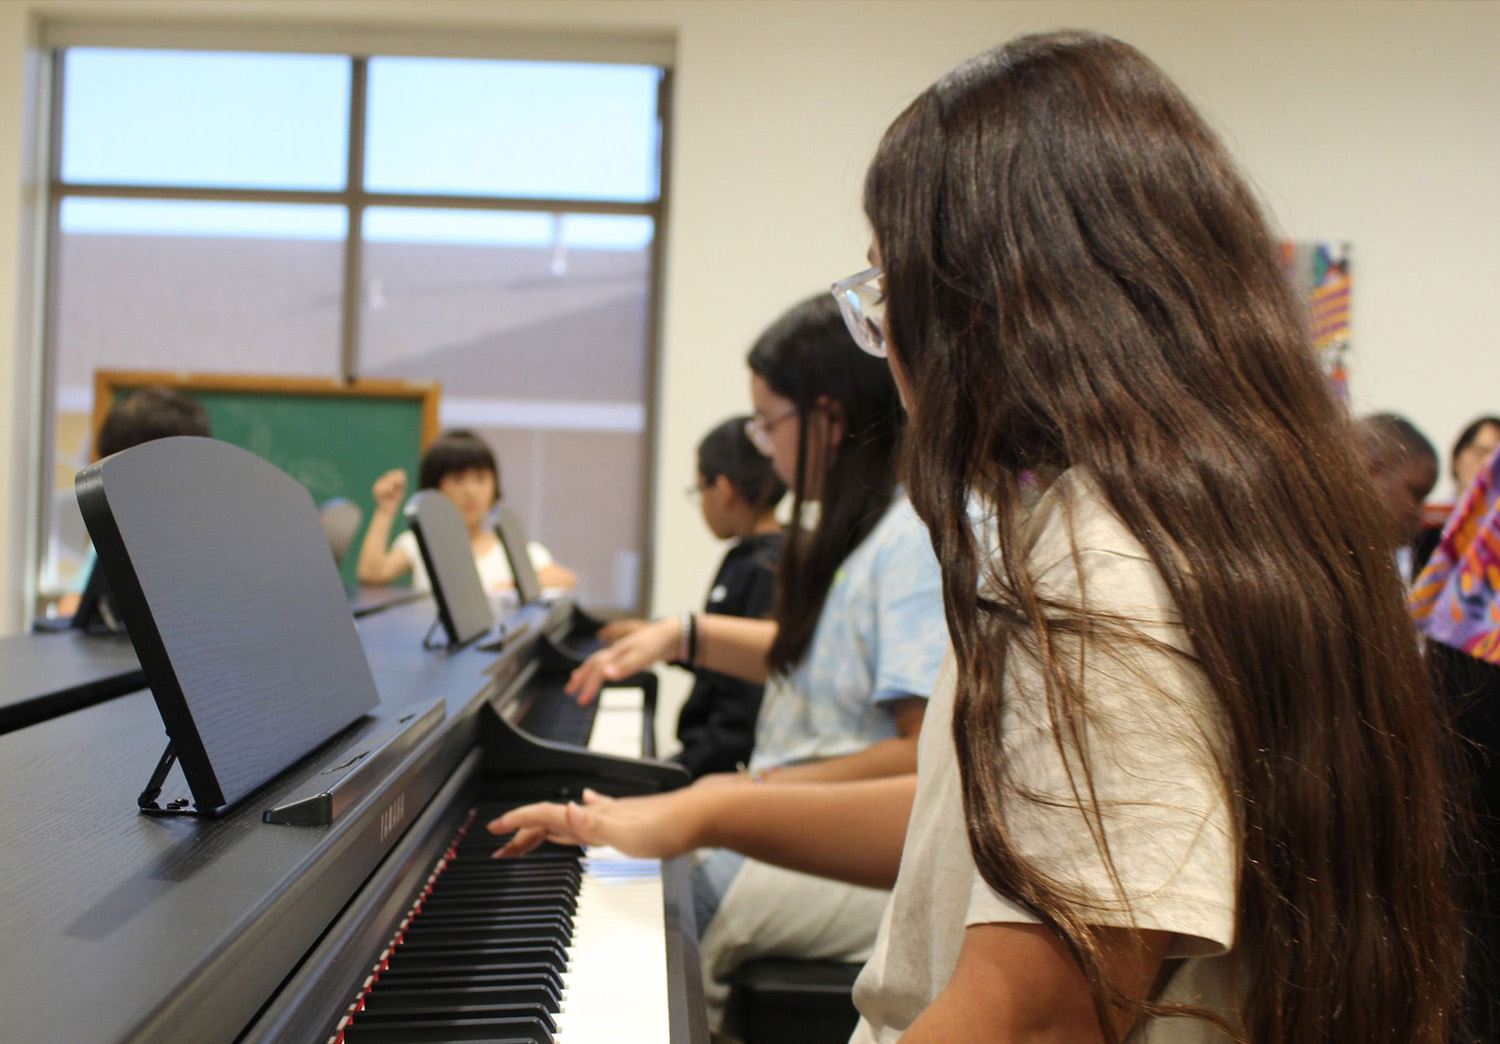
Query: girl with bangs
1183, 776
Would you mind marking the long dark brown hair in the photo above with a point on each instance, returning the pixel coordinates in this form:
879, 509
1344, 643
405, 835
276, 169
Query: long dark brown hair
807, 356
1078, 278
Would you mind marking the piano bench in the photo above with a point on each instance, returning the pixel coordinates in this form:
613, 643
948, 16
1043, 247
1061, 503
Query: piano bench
782, 1001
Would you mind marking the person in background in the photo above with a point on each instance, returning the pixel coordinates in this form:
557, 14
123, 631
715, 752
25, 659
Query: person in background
1456, 604
737, 491
460, 466
1473, 448
1183, 778
1404, 467
150, 413
1475, 445
848, 659
154, 412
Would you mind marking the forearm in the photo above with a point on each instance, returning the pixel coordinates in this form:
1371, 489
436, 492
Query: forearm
734, 645
555, 576
1020, 982
892, 757
727, 644
847, 831
851, 832
375, 565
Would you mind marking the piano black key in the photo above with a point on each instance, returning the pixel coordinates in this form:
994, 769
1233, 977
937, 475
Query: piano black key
456, 992
444, 1040
459, 917
398, 977
481, 846
462, 884
449, 1034
479, 857
481, 869
497, 928
449, 1031
550, 957
498, 875
466, 894
409, 1006
477, 949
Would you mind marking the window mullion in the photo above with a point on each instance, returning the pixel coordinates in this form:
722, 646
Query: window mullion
354, 235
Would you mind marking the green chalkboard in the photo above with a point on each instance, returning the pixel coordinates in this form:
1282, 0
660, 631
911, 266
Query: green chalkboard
334, 437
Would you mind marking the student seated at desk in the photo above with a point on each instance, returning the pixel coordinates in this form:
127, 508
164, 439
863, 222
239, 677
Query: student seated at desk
849, 659
1404, 467
155, 412
461, 467
737, 491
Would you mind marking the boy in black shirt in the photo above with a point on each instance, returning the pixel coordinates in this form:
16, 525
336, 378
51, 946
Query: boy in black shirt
737, 490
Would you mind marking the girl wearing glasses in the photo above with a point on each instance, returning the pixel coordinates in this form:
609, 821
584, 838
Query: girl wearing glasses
1183, 777
852, 652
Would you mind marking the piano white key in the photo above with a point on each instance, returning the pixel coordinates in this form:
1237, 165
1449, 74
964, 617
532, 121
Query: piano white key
616, 985
619, 722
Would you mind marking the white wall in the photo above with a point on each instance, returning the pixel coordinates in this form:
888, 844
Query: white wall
1371, 122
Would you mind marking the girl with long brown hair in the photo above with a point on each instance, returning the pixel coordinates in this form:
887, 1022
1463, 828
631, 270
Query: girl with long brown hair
1193, 787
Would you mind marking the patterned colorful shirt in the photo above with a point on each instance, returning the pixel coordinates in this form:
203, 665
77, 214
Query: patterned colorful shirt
1456, 599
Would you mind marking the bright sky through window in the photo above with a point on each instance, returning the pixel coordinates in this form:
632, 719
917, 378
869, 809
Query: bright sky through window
519, 129
529, 129
276, 121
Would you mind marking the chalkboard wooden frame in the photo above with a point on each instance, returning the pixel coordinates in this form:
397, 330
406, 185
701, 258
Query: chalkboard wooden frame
108, 382
397, 411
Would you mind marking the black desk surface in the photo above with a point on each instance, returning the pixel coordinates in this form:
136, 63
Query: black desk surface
366, 600
107, 913
44, 675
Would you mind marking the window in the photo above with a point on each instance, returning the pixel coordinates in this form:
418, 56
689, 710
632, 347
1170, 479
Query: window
488, 224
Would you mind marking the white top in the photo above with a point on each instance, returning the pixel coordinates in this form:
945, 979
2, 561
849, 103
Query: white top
493, 566
1151, 733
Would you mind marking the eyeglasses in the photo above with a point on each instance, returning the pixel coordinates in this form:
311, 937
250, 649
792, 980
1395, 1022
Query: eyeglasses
758, 429
862, 304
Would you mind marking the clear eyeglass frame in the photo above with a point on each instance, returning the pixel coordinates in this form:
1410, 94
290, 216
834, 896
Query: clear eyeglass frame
758, 429
862, 304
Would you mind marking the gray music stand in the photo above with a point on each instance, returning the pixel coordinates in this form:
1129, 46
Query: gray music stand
443, 539
220, 570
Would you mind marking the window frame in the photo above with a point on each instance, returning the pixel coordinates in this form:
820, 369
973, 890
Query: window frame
355, 199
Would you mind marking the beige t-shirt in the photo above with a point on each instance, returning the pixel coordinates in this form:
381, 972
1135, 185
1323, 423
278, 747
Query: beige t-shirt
1152, 730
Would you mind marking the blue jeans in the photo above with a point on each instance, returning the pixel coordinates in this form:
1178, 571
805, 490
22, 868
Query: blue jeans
714, 871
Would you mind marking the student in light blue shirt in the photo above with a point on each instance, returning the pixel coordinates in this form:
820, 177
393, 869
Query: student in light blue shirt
852, 652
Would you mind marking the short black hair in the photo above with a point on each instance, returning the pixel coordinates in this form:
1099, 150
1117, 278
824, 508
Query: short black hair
456, 450
726, 450
1396, 432
1471, 433
154, 412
